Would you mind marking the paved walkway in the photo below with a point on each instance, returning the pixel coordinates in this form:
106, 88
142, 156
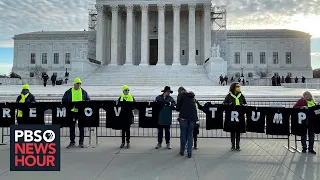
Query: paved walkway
258, 160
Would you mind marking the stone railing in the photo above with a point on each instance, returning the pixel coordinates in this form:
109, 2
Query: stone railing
10, 81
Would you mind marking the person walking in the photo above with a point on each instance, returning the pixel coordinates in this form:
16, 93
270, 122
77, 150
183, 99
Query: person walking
235, 98
45, 78
75, 94
165, 116
24, 97
296, 79
186, 107
128, 117
306, 102
53, 79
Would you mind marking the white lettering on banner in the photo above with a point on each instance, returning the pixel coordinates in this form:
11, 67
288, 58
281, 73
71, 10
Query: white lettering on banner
61, 112
32, 112
253, 117
6, 113
149, 112
117, 111
30, 136
213, 110
277, 119
317, 111
234, 116
301, 117
88, 112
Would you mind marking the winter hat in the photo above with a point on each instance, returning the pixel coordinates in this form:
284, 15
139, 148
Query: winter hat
125, 87
181, 89
77, 80
25, 86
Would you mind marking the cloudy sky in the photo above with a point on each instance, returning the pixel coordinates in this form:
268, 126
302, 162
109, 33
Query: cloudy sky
20, 16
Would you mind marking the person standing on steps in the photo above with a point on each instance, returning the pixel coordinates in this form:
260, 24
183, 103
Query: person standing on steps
128, 117
53, 79
235, 98
186, 107
306, 102
45, 78
165, 116
75, 94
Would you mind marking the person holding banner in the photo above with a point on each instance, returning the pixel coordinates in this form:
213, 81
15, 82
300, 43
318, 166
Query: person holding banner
306, 102
24, 97
186, 107
128, 118
235, 98
167, 104
75, 94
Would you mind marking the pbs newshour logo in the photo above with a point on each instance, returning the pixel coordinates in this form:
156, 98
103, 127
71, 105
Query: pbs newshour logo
35, 148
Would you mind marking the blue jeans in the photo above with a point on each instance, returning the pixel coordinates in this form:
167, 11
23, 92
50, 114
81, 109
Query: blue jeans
304, 140
167, 133
186, 130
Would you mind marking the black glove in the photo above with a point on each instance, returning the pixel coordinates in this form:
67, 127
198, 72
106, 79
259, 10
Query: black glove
167, 103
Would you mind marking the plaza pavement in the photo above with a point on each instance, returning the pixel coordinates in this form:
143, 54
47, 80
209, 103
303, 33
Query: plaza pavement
259, 160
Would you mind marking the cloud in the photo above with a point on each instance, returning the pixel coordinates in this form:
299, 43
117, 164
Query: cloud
21, 16
315, 54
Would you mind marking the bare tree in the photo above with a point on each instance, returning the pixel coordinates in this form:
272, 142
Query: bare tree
37, 71
263, 73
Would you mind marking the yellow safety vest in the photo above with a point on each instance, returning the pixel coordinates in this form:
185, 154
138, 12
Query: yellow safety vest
76, 96
22, 100
236, 98
128, 98
311, 104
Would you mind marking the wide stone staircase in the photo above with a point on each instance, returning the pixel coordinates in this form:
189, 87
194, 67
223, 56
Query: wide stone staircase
149, 76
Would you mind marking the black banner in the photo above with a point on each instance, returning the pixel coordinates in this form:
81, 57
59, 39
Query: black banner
120, 115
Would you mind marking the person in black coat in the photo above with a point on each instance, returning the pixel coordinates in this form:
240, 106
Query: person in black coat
24, 97
45, 78
73, 95
235, 98
53, 79
127, 115
186, 106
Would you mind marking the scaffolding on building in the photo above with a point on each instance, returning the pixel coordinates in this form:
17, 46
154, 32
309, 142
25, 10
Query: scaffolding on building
92, 25
219, 29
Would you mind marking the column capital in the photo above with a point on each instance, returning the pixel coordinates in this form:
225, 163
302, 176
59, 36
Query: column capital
144, 7
129, 8
114, 8
207, 7
99, 8
192, 7
161, 7
176, 7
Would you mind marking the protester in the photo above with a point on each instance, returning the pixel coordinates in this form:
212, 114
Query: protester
226, 79
221, 79
306, 102
45, 78
25, 97
75, 94
167, 104
53, 79
296, 79
187, 118
235, 98
128, 116
273, 79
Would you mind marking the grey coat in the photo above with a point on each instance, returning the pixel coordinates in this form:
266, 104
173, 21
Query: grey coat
167, 105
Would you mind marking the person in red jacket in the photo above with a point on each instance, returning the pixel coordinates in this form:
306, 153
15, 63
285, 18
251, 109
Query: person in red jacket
306, 102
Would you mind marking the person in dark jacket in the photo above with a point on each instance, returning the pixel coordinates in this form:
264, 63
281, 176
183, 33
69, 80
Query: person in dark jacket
278, 81
186, 107
165, 116
53, 79
128, 118
273, 79
45, 78
306, 102
282, 79
296, 79
235, 98
24, 97
75, 94
303, 79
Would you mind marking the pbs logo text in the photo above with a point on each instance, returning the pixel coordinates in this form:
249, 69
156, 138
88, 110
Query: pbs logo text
34, 136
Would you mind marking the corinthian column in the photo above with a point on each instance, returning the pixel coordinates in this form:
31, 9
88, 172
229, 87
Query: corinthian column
161, 34
144, 34
192, 30
207, 30
129, 34
114, 35
100, 43
176, 34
